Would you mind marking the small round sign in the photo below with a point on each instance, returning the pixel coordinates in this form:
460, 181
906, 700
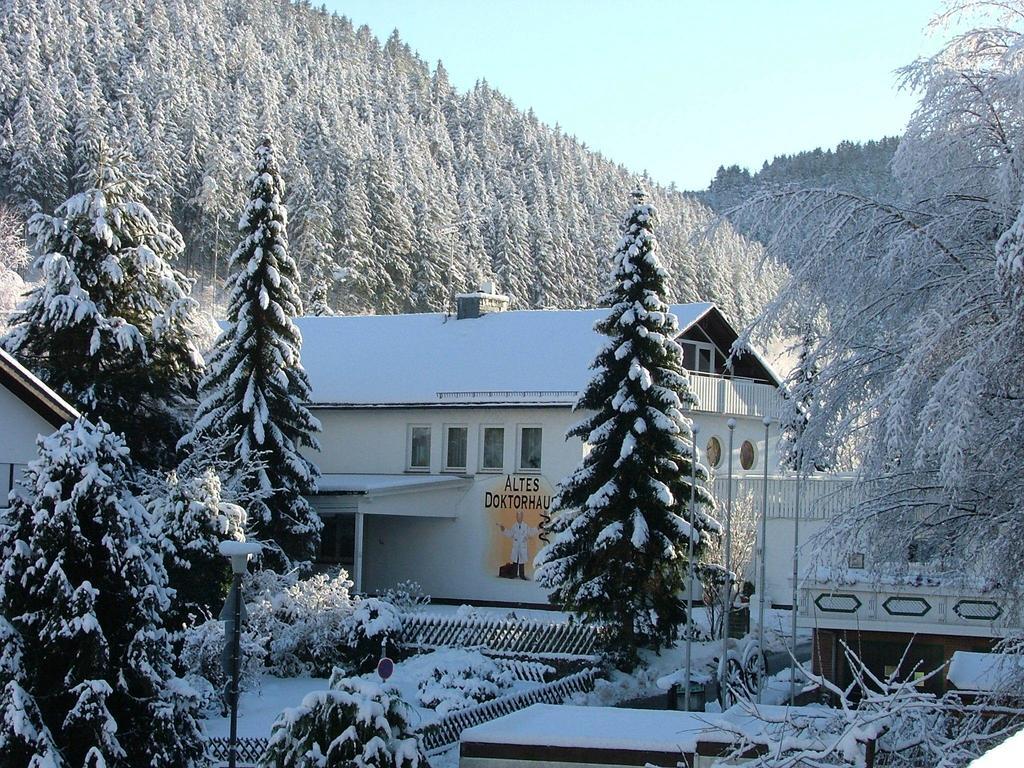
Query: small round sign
385, 668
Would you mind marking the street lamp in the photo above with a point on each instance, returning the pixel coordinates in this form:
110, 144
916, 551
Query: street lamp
767, 421
238, 552
689, 563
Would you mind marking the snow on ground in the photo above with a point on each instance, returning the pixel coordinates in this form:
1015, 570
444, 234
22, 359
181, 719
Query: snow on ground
259, 708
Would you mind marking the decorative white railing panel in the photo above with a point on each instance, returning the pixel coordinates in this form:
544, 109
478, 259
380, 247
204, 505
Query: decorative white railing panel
903, 608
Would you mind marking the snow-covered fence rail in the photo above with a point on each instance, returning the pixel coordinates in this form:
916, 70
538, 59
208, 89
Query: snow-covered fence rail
537, 638
249, 751
446, 731
528, 671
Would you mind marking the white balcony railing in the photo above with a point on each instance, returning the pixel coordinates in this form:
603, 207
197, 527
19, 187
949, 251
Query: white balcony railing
930, 609
821, 497
735, 397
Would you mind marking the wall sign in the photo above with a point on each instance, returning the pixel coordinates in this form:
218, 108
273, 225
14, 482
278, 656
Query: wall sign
518, 511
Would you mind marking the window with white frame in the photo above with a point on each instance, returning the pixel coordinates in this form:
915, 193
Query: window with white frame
529, 449
698, 356
456, 440
419, 447
492, 449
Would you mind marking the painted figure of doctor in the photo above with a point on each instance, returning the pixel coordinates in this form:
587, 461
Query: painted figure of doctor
519, 533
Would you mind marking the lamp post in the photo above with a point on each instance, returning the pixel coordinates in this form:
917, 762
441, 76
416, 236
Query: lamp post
764, 547
727, 581
238, 552
796, 575
689, 561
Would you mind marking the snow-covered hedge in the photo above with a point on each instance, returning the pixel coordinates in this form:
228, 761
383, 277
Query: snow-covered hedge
304, 624
298, 627
201, 650
355, 723
461, 679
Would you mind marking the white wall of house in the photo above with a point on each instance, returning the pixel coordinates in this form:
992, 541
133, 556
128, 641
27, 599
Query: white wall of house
453, 557
19, 428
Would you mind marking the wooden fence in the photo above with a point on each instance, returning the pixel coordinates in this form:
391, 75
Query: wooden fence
439, 735
500, 636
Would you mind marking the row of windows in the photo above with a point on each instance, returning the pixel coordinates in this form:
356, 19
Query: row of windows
713, 452
455, 448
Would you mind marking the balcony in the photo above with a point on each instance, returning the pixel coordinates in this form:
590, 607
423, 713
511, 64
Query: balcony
735, 397
873, 604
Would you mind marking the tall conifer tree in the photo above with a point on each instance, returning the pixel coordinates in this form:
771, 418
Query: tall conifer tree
85, 671
255, 388
618, 553
111, 325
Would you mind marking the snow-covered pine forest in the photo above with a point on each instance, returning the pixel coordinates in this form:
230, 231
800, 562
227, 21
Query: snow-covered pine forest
386, 163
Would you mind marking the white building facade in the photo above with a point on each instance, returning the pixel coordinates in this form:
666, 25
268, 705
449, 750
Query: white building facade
28, 409
444, 437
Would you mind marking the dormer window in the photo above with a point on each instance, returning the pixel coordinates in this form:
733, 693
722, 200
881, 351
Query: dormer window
698, 356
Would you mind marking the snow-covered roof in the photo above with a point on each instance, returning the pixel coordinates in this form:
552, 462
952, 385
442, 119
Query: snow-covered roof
613, 728
521, 357
379, 484
983, 672
34, 392
640, 730
1009, 754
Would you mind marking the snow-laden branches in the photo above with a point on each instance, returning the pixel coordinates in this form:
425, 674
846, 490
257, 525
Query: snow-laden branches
881, 721
914, 307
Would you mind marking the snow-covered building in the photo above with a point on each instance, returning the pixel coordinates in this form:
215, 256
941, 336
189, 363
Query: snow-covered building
443, 436
28, 409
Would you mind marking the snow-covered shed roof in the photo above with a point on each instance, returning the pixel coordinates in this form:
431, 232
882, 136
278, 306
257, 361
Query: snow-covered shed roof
521, 357
1009, 754
983, 672
27, 387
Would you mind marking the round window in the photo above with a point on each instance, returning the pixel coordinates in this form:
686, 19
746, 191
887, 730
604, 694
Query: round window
714, 452
747, 454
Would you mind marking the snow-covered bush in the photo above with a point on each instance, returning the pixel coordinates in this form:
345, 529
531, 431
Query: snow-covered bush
306, 624
375, 624
201, 652
355, 723
461, 679
191, 519
407, 596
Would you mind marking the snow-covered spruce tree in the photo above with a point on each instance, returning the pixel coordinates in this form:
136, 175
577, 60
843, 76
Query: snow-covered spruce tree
86, 664
191, 520
111, 325
255, 386
618, 553
355, 723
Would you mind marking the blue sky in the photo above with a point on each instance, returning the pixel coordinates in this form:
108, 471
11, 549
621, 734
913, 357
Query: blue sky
678, 88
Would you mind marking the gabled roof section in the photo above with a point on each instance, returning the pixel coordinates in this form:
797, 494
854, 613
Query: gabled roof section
34, 393
525, 357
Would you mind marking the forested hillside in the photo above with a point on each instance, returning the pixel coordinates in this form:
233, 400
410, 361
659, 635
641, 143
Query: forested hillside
400, 189
864, 169
855, 167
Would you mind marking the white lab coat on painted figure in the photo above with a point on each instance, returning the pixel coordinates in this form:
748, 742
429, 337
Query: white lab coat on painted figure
520, 532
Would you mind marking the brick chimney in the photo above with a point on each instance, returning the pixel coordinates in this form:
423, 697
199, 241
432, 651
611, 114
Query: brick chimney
480, 302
